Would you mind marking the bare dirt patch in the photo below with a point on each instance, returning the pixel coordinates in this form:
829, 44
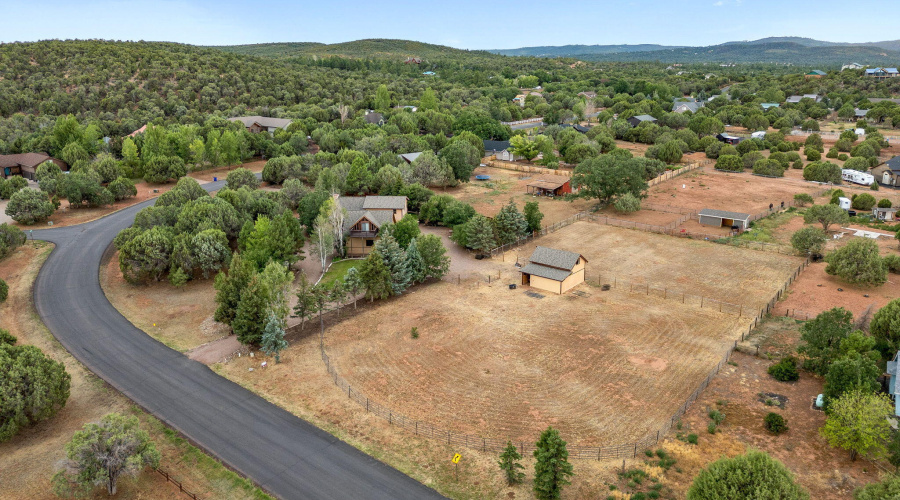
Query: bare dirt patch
488, 197
815, 291
738, 192
651, 217
207, 175
826, 472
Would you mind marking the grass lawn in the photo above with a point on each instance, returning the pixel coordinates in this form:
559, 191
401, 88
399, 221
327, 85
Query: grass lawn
338, 270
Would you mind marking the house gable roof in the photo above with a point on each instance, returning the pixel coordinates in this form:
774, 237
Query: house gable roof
551, 257
23, 159
724, 214
496, 145
644, 118
375, 118
691, 106
378, 218
410, 157
894, 164
263, 121
384, 203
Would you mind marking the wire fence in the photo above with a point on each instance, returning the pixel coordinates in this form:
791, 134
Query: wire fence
666, 293
496, 445
671, 174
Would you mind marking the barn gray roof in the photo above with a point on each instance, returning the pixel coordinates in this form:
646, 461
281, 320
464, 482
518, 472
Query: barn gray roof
894, 164
644, 118
546, 272
724, 214
552, 257
410, 157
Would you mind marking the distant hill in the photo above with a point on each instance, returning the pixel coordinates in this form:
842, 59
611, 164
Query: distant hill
785, 50
368, 48
568, 50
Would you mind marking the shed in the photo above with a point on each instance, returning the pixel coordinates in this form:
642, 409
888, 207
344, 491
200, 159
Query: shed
556, 271
729, 139
885, 214
544, 186
724, 218
637, 120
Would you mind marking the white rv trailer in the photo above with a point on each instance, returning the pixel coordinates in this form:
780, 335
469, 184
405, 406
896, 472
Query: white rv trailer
857, 177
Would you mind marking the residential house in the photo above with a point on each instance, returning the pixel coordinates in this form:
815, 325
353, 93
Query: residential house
365, 216
556, 271
724, 218
410, 157
520, 100
888, 173
882, 73
549, 186
491, 147
374, 118
816, 73
256, 124
686, 104
26, 164
413, 60
794, 99
852, 66
859, 114
637, 120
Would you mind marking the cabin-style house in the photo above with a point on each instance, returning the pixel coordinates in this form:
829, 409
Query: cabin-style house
364, 218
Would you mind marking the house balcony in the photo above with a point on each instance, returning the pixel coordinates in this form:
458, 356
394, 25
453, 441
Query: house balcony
363, 234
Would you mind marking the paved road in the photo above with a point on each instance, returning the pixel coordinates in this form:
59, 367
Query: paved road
281, 452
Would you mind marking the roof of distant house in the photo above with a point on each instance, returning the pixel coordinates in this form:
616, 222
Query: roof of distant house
875, 100
263, 121
374, 117
384, 203
798, 98
724, 214
881, 70
410, 157
23, 159
644, 118
817, 72
894, 164
138, 131
767, 105
691, 106
495, 145
860, 112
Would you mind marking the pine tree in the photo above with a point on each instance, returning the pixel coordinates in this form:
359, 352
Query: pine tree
375, 277
305, 300
480, 234
552, 467
395, 261
509, 464
414, 263
273, 338
434, 256
510, 224
252, 310
229, 287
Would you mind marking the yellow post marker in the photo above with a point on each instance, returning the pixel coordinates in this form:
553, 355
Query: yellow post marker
456, 458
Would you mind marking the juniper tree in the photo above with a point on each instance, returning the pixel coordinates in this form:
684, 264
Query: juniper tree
375, 277
510, 224
395, 261
480, 234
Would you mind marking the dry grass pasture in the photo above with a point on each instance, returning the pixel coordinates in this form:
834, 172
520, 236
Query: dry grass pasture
604, 369
28, 460
695, 267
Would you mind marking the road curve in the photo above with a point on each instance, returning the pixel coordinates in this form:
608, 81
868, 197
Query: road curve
284, 454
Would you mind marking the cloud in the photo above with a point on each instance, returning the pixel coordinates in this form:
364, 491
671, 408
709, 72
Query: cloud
719, 3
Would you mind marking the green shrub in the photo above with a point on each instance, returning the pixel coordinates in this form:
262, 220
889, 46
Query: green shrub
832, 153
884, 203
730, 163
803, 199
627, 203
692, 438
873, 186
843, 157
864, 201
813, 155
712, 428
892, 262
716, 416
775, 423
4, 290
785, 370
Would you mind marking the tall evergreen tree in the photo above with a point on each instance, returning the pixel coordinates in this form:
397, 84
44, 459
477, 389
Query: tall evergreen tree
414, 263
509, 464
273, 338
375, 277
353, 284
250, 317
434, 256
395, 261
510, 224
533, 216
480, 234
552, 467
229, 287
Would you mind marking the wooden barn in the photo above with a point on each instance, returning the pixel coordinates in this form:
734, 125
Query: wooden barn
556, 271
549, 186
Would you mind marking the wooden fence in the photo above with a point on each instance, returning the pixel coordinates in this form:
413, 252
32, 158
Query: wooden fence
174, 481
496, 445
508, 165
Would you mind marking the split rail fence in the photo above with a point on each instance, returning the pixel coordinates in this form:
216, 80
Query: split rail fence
176, 482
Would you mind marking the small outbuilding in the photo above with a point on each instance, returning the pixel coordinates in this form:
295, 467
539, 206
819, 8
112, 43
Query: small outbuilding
547, 186
639, 119
729, 139
724, 218
885, 214
556, 271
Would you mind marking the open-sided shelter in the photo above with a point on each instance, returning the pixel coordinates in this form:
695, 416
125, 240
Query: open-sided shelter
724, 218
545, 186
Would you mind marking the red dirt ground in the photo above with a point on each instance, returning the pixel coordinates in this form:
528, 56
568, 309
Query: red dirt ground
806, 294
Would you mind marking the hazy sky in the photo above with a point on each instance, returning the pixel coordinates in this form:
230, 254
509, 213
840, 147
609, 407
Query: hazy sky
467, 24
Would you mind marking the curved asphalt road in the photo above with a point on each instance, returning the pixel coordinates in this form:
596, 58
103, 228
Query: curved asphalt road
282, 453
